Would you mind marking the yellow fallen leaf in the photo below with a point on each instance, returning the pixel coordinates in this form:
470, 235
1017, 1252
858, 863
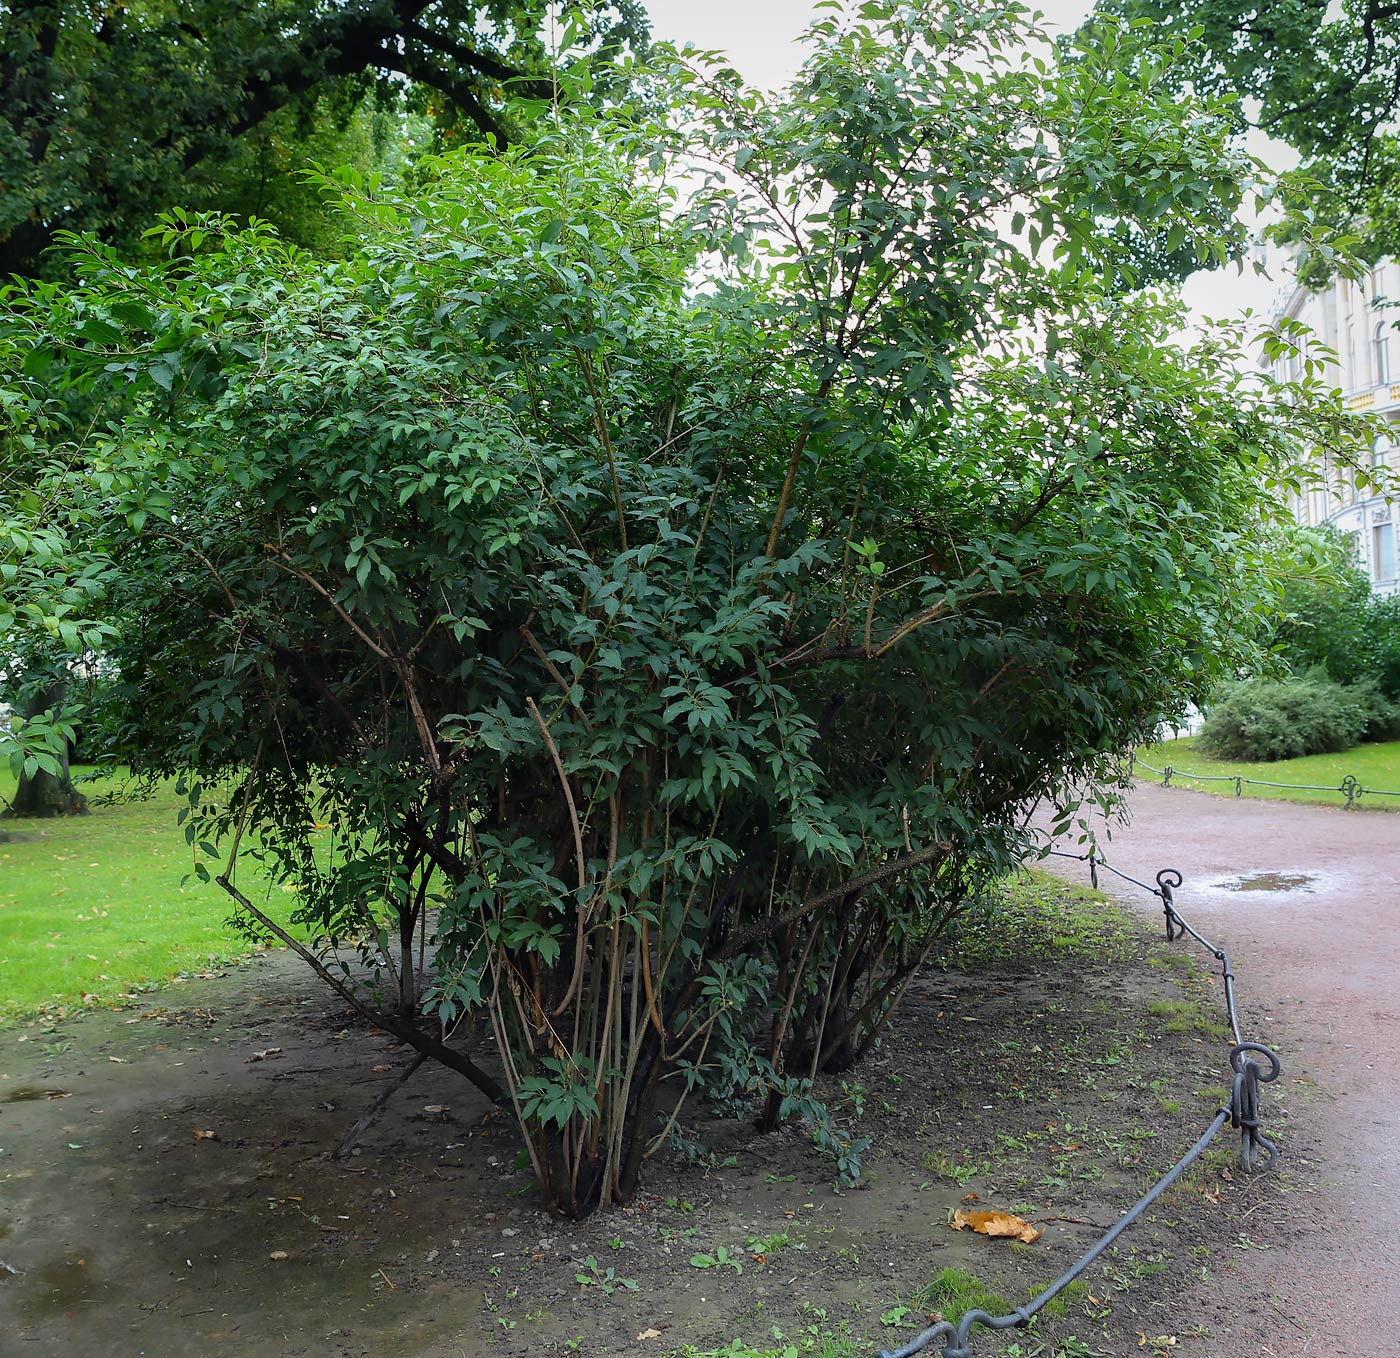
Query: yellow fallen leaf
649, 1334
1158, 1341
201, 1134
997, 1224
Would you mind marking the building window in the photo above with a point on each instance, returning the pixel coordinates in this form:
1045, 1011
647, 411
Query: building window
1383, 557
1382, 342
1380, 451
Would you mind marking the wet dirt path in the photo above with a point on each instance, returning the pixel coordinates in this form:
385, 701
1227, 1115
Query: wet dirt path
1306, 900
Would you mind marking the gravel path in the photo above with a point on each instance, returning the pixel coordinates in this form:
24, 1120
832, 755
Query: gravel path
1307, 901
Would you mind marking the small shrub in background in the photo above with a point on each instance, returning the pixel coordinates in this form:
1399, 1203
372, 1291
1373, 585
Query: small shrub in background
1269, 719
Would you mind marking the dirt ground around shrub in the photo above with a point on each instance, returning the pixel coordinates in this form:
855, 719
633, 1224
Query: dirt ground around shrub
1050, 1062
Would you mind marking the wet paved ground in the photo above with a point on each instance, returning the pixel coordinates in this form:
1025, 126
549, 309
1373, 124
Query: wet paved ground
1306, 900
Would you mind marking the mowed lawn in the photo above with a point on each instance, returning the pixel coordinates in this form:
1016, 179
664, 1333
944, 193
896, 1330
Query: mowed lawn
92, 906
1373, 766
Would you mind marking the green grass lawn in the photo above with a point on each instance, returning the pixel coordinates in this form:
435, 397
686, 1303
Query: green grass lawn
93, 906
1374, 766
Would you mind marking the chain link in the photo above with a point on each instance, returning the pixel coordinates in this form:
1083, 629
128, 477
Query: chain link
1350, 787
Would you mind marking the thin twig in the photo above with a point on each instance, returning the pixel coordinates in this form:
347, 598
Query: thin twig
347, 1143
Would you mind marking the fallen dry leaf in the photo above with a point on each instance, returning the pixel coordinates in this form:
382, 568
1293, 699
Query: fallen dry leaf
279, 1254
649, 1334
379, 1070
970, 1197
263, 1055
117, 1060
203, 1134
1158, 1341
997, 1224
435, 1108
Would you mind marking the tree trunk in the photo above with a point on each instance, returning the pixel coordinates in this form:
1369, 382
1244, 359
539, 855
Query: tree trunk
42, 793
408, 987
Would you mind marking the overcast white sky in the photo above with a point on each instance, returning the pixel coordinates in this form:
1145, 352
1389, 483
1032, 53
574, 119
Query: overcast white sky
760, 38
761, 35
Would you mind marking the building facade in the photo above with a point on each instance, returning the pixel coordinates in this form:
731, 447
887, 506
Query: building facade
1356, 321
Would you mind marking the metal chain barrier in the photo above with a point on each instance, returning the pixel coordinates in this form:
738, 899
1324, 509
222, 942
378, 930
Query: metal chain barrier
1241, 1112
1350, 787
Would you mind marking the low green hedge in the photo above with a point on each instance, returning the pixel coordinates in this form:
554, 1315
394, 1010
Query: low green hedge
1268, 719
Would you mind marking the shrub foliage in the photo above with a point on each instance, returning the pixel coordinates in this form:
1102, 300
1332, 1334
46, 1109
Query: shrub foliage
638, 626
1268, 719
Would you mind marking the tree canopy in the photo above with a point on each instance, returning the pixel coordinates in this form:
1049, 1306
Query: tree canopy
633, 625
1321, 75
111, 113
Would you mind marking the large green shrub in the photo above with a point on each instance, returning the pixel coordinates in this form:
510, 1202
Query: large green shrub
1268, 719
638, 628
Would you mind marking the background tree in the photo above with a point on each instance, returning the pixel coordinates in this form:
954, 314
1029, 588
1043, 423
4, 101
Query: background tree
1323, 77
52, 584
637, 628
109, 114
1334, 622
44, 783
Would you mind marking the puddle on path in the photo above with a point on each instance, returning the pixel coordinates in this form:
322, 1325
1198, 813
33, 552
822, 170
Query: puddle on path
1267, 881
60, 1285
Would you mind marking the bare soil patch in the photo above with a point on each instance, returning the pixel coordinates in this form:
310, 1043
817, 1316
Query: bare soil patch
1052, 1061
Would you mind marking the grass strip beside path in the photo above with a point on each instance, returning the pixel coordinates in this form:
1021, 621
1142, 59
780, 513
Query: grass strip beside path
93, 908
1374, 766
